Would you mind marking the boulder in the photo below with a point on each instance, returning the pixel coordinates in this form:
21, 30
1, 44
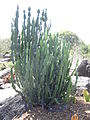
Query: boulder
4, 72
84, 69
12, 107
7, 55
88, 87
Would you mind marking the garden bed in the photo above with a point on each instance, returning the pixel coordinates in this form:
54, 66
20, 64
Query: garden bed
81, 108
14, 109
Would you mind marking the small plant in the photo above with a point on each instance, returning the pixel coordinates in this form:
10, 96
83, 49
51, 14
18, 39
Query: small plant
86, 96
41, 62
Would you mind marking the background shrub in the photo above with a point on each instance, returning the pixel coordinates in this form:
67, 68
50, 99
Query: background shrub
69, 36
84, 48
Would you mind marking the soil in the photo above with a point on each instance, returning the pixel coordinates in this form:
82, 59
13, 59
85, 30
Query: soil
80, 108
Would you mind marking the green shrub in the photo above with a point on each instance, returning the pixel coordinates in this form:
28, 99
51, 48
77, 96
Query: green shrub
84, 48
41, 62
69, 36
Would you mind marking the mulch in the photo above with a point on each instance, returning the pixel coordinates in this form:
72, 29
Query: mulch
80, 108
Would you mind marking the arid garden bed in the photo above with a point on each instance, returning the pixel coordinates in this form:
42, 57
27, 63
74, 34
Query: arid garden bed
14, 109
81, 108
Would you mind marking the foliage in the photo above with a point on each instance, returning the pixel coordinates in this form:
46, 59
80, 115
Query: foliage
42, 63
84, 48
88, 54
89, 48
86, 96
69, 37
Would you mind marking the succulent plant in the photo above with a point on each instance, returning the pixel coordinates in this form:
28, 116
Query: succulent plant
41, 62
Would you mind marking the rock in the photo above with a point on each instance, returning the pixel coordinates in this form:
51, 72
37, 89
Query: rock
4, 86
5, 60
81, 84
4, 72
1, 81
6, 91
12, 107
1, 87
84, 69
7, 55
88, 87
